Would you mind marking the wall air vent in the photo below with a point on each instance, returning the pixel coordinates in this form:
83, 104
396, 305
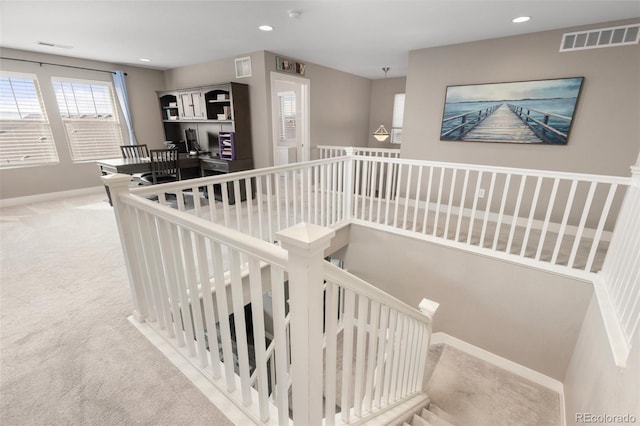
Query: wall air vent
243, 67
601, 37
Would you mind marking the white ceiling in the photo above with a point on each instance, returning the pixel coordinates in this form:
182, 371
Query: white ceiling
358, 37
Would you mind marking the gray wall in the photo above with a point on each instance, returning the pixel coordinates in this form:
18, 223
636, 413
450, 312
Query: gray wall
528, 316
221, 71
67, 175
605, 134
339, 105
593, 383
381, 108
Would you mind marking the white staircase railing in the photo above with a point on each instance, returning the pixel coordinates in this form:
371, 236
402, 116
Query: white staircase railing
178, 243
202, 286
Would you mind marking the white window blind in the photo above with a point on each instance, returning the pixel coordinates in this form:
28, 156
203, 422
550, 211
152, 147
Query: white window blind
287, 129
25, 134
397, 121
88, 112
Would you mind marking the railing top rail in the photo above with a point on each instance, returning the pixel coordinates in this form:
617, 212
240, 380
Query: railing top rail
230, 177
621, 180
270, 253
347, 280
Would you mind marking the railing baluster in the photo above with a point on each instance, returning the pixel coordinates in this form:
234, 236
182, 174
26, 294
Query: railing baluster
450, 203
389, 356
237, 298
565, 219
334, 193
287, 206
195, 312
371, 355
223, 314
532, 212
381, 189
357, 188
281, 351
406, 197
340, 192
209, 310
347, 351
503, 202
516, 213
380, 368
331, 333
437, 212
427, 202
417, 199
259, 340
397, 196
583, 221
390, 172
487, 210
474, 207
259, 203
603, 218
547, 218
372, 188
463, 199
399, 342
363, 308
309, 194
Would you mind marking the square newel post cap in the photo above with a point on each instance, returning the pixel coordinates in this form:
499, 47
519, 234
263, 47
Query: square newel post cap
116, 180
305, 237
428, 307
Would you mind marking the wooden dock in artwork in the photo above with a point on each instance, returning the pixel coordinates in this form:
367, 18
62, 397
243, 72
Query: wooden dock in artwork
506, 122
502, 124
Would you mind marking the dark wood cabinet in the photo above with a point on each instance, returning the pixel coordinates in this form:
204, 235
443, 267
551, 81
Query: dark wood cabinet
219, 116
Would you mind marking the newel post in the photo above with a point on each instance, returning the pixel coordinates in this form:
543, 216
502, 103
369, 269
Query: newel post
428, 308
306, 244
118, 184
348, 178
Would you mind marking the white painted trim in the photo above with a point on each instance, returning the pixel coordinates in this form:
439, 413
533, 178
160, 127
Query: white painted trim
505, 364
213, 394
49, 196
620, 348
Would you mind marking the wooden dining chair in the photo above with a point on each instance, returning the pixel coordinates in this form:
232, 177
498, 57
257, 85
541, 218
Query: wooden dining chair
165, 166
134, 151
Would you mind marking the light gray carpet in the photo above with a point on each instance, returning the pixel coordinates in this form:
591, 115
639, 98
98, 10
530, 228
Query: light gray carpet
68, 354
474, 392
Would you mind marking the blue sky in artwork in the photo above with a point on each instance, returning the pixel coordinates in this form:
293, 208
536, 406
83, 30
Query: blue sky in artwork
544, 89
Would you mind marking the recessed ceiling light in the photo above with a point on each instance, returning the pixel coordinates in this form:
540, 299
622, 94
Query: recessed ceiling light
266, 27
145, 59
520, 19
48, 44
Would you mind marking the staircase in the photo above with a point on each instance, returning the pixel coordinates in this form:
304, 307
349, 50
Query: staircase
430, 415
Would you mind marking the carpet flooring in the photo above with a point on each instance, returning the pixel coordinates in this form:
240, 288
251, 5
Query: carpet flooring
68, 354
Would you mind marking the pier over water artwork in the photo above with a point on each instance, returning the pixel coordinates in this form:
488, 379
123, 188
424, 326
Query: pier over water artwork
528, 112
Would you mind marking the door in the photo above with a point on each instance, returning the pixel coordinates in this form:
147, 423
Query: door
290, 115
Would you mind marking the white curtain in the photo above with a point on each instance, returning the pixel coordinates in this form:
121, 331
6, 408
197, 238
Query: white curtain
123, 100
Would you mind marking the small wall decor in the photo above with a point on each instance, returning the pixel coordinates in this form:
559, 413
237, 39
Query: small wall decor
288, 65
527, 112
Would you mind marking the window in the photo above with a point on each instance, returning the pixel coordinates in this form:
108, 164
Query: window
397, 122
398, 111
88, 112
287, 130
25, 134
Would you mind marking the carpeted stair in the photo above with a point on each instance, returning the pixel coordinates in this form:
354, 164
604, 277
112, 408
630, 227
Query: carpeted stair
429, 415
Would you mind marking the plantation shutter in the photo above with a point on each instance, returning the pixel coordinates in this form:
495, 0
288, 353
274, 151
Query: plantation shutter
397, 121
25, 134
88, 112
287, 129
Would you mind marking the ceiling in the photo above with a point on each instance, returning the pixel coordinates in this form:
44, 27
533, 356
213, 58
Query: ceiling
355, 36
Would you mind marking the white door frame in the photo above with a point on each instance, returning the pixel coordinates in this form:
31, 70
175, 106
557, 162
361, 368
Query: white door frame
305, 103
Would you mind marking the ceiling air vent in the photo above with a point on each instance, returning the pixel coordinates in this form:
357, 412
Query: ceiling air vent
243, 67
601, 37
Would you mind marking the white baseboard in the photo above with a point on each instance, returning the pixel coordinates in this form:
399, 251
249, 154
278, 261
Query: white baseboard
48, 196
226, 406
505, 364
